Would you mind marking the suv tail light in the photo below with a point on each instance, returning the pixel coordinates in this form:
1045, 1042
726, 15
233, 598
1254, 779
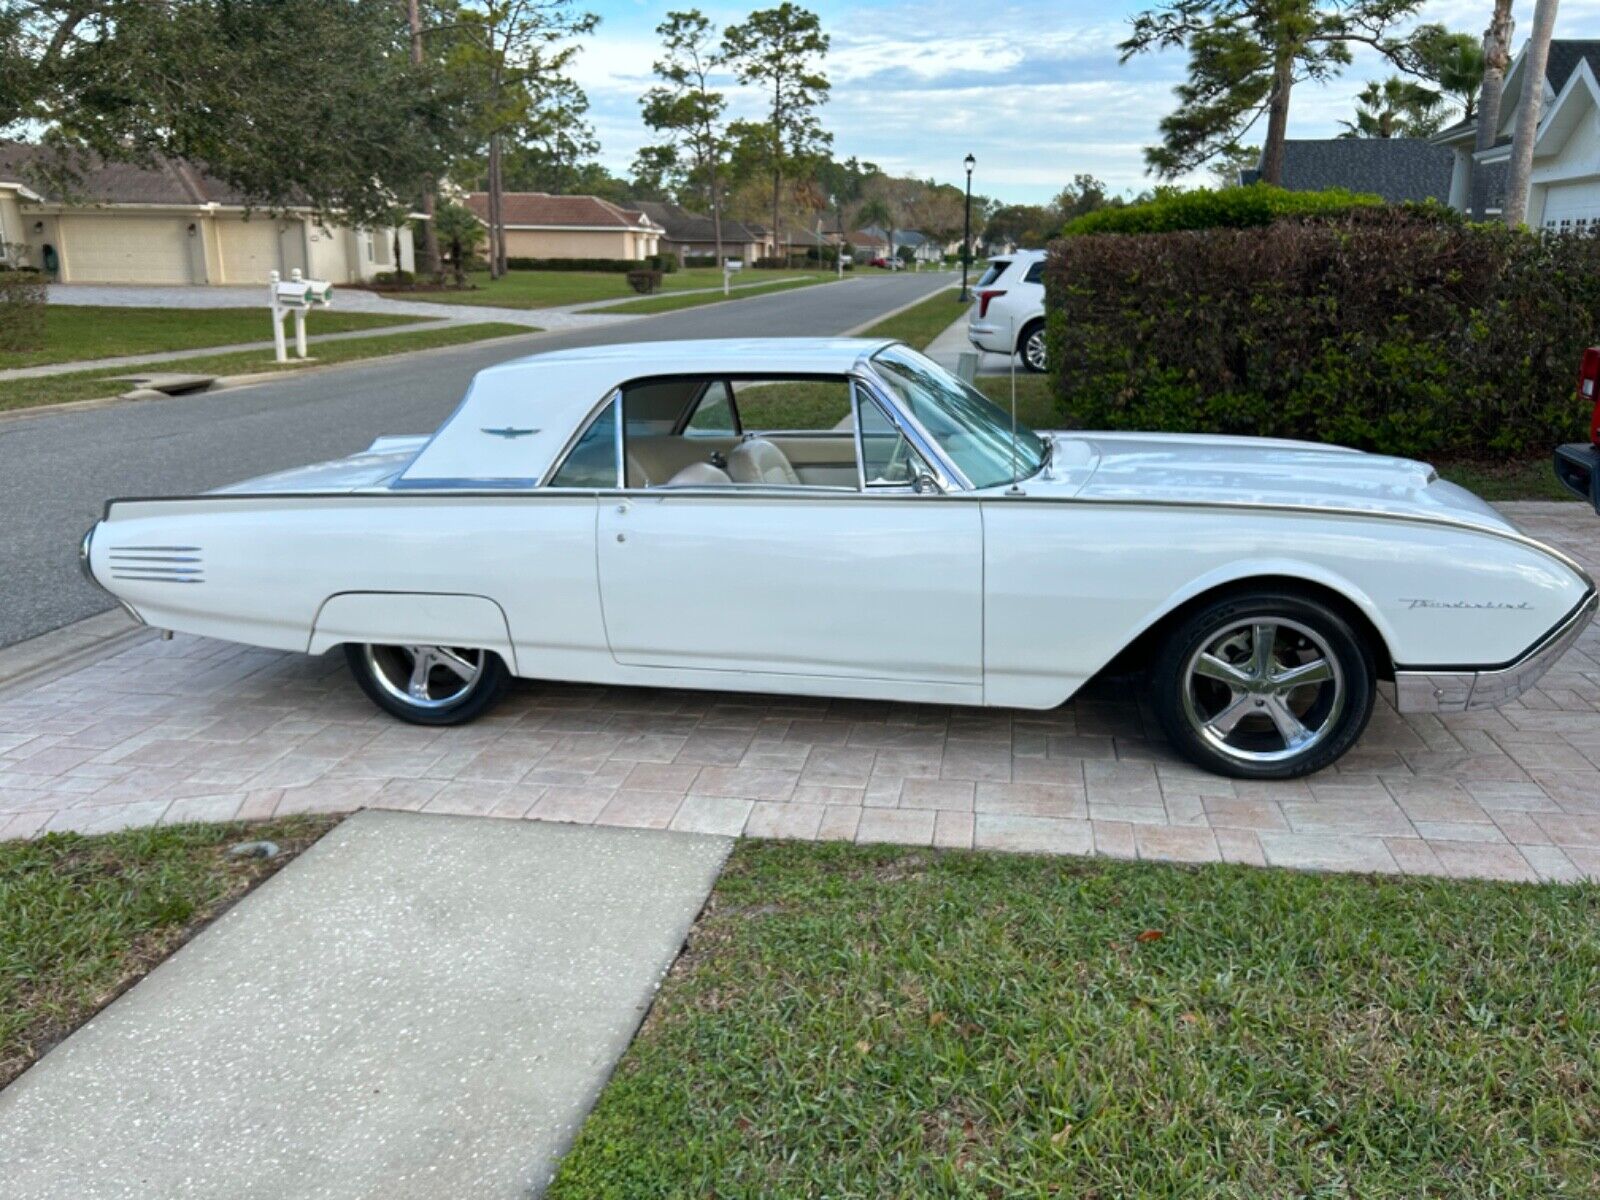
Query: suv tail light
994, 293
1589, 388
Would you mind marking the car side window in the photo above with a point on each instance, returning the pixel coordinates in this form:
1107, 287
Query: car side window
887, 458
1035, 273
714, 415
592, 462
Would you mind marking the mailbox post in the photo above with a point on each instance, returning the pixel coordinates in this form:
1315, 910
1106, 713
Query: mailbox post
729, 266
298, 296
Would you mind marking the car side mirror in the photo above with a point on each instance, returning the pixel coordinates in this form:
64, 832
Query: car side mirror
925, 485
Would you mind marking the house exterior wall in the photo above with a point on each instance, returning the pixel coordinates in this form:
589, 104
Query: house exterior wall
1573, 172
570, 243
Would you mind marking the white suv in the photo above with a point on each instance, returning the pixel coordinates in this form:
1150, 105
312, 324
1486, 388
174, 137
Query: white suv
1007, 314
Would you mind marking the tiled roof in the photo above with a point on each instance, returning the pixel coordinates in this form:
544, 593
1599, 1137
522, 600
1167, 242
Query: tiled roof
162, 181
542, 209
685, 226
1398, 169
1565, 55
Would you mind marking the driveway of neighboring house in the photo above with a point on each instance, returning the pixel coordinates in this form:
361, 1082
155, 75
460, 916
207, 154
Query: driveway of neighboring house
191, 729
417, 1006
349, 299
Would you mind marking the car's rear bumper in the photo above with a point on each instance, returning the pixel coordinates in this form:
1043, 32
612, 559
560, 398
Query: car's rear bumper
1578, 469
986, 336
1457, 691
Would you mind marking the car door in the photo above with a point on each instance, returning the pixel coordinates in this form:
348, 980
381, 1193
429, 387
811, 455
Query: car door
865, 582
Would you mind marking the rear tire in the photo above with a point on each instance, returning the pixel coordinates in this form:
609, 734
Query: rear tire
1264, 685
429, 685
1031, 345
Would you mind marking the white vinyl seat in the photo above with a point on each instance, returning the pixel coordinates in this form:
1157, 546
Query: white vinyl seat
700, 474
759, 461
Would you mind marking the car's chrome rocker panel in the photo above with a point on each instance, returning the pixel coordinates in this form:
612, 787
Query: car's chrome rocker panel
1459, 691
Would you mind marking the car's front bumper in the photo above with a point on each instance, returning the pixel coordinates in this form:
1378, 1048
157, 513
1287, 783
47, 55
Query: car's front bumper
1457, 691
1578, 469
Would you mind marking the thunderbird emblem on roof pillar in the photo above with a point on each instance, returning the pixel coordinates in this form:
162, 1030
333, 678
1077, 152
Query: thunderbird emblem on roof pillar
509, 432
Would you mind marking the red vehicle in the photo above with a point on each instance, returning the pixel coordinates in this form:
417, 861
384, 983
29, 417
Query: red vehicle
1578, 463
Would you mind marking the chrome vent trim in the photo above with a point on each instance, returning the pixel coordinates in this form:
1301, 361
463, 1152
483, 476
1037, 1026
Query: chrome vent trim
158, 564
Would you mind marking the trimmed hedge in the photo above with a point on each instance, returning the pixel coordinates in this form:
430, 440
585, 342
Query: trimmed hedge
1388, 330
665, 263
1231, 208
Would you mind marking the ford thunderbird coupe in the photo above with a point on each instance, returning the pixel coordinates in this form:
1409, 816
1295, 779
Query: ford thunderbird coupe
846, 518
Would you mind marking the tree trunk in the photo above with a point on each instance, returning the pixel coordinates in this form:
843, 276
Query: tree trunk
1278, 118
777, 187
716, 208
1496, 59
429, 264
1521, 170
496, 224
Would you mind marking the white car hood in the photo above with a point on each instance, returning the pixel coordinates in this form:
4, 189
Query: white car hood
1205, 469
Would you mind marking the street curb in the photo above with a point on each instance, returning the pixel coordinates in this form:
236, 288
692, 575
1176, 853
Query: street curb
895, 312
229, 383
27, 664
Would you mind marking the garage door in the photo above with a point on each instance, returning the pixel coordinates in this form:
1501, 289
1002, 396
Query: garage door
250, 249
1572, 207
127, 249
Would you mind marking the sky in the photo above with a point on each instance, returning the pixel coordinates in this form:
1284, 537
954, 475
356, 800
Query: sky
1032, 88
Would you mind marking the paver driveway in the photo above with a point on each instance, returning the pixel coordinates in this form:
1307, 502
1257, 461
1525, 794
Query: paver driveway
198, 730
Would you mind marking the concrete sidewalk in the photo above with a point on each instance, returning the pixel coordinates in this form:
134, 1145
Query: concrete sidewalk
949, 346
417, 1007
344, 299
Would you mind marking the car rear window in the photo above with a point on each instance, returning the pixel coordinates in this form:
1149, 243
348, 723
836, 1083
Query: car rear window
995, 269
1035, 273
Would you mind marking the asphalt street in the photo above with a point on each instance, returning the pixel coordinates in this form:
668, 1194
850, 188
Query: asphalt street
58, 469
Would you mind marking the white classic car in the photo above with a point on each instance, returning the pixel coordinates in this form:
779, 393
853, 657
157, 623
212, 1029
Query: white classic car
846, 518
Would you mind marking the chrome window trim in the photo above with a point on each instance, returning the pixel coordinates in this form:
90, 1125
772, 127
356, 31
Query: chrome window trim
946, 474
560, 460
855, 428
861, 458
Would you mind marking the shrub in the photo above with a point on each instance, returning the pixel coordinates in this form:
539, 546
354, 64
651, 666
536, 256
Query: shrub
665, 263
644, 282
1231, 208
22, 310
620, 266
1389, 330
394, 278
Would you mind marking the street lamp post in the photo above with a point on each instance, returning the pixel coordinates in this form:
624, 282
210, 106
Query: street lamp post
966, 233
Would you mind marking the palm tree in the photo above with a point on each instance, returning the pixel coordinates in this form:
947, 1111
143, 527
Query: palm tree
1538, 58
1496, 61
1395, 108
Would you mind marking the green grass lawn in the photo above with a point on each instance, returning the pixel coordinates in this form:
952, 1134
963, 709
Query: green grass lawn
74, 333
81, 918
922, 322
91, 385
671, 302
875, 1022
545, 289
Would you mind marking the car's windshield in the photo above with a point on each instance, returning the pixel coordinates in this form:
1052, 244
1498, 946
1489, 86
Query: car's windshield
974, 433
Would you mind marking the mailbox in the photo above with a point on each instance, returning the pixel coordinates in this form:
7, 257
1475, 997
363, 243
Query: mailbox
298, 296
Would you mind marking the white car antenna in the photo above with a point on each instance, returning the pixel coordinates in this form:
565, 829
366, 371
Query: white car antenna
1016, 488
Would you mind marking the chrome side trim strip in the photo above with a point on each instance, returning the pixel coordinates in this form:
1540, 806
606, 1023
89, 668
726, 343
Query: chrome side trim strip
1458, 691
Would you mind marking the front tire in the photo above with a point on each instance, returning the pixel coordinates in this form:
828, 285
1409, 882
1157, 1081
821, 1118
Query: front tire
429, 685
1264, 685
1031, 345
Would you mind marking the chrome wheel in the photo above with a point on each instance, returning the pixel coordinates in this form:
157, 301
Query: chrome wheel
1033, 351
1263, 690
427, 677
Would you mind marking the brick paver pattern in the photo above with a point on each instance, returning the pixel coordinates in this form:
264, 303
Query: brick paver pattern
191, 729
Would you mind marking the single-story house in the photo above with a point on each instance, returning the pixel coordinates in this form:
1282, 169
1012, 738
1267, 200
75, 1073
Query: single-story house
170, 222
693, 235
1398, 169
873, 242
1564, 188
541, 225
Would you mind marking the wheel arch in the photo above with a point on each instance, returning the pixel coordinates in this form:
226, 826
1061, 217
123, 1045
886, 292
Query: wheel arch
1024, 329
1339, 594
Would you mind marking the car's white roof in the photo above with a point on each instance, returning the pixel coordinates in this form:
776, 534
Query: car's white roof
535, 404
